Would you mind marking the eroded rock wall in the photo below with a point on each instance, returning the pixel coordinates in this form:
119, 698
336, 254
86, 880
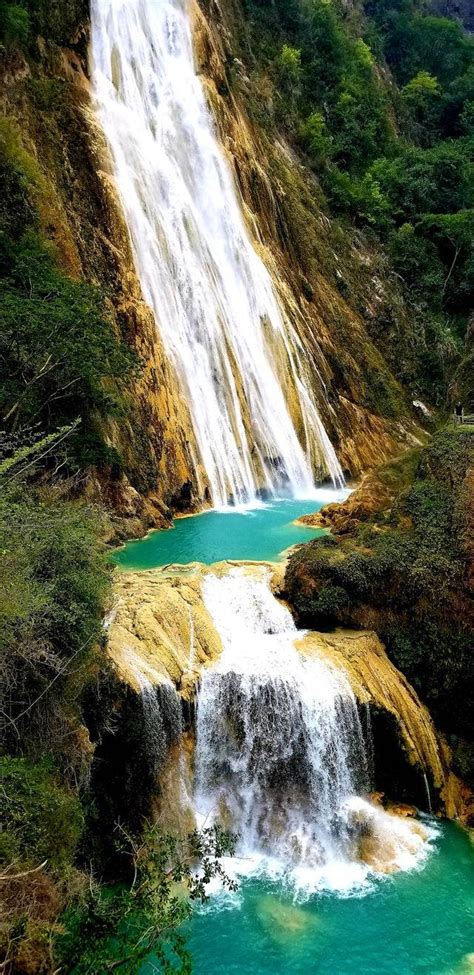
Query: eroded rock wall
51, 101
332, 285
162, 634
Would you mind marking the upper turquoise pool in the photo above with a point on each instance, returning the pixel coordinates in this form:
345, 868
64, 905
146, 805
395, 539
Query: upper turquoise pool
259, 534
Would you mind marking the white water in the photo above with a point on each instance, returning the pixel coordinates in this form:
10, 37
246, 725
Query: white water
281, 757
215, 306
162, 721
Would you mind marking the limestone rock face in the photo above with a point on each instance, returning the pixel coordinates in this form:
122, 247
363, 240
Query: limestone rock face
375, 680
370, 496
295, 238
82, 214
160, 631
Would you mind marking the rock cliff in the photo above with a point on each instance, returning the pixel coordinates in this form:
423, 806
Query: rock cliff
332, 287
161, 634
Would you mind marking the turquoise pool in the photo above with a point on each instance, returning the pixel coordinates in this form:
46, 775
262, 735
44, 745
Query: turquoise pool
416, 923
261, 533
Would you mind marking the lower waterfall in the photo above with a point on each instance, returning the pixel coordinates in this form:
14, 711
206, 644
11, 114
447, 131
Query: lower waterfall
281, 757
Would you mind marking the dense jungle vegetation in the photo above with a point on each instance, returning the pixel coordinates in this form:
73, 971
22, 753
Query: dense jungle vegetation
405, 571
379, 99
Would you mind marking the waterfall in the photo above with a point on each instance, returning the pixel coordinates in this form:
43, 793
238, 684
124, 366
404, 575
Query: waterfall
237, 358
162, 721
280, 747
281, 758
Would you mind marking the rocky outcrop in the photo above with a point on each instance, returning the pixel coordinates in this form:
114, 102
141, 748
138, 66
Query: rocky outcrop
160, 629
400, 561
161, 633
372, 498
378, 684
330, 284
50, 100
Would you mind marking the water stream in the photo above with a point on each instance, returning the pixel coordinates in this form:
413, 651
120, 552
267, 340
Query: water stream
279, 745
238, 360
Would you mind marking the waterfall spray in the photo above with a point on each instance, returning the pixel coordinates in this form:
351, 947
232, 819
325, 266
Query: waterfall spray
162, 720
231, 345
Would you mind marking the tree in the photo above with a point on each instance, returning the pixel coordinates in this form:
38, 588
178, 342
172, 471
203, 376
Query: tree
316, 139
422, 102
14, 24
117, 930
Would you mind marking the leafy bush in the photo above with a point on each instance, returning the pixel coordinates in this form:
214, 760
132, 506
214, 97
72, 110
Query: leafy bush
407, 579
43, 820
54, 582
120, 928
14, 24
55, 20
60, 359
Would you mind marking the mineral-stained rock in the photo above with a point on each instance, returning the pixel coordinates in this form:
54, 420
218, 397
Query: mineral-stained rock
162, 631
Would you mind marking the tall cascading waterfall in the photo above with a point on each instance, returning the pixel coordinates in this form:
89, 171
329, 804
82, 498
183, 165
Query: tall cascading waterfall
232, 347
280, 749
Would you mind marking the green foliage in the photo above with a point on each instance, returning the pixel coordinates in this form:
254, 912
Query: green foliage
409, 576
20, 177
423, 43
315, 138
416, 259
116, 930
423, 104
59, 357
54, 582
14, 25
42, 820
56, 345
55, 20
390, 153
290, 66
22, 458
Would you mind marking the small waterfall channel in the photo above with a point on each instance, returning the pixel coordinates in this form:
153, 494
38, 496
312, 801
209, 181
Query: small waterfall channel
238, 360
162, 720
281, 757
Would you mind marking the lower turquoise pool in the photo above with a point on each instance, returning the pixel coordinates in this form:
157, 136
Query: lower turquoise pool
416, 923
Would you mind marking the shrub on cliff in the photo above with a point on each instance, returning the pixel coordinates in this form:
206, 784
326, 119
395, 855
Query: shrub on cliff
59, 357
405, 574
42, 821
55, 20
53, 587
